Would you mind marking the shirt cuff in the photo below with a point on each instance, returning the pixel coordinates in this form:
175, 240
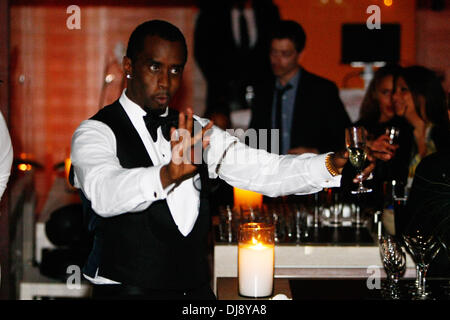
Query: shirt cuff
320, 173
151, 186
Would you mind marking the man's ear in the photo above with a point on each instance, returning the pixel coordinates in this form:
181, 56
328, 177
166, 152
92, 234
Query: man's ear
127, 66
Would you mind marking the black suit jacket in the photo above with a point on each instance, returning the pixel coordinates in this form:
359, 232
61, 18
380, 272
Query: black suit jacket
319, 119
226, 67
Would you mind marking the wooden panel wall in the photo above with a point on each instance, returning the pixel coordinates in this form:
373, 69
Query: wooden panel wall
58, 74
433, 42
4, 107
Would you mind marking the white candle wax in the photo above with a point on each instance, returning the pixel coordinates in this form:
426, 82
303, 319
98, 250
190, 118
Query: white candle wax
256, 263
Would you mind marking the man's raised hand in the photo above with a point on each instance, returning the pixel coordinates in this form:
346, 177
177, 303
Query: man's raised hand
182, 164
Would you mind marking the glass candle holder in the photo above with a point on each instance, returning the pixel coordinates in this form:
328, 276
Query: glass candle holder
256, 258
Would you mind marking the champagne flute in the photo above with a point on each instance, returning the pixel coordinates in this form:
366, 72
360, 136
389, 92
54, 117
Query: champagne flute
355, 140
394, 262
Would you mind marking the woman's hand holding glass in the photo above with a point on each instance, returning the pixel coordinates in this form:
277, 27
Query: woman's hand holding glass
381, 148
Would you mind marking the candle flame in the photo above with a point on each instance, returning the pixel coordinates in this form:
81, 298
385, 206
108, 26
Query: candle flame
24, 167
257, 245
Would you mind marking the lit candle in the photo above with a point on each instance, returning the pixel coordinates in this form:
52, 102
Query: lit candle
247, 198
67, 164
256, 257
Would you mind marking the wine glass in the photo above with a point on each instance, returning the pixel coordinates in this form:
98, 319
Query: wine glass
394, 262
355, 140
423, 249
393, 256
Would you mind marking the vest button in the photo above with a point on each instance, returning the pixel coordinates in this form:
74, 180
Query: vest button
155, 194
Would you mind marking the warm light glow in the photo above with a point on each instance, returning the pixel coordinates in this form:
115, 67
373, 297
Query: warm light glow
24, 167
24, 156
258, 245
388, 3
67, 164
247, 198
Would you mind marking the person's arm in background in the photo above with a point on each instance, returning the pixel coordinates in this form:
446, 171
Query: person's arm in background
211, 52
214, 57
6, 155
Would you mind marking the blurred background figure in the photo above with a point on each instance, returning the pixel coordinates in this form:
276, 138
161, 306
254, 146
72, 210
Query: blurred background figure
376, 115
6, 155
230, 47
413, 100
377, 108
305, 107
421, 100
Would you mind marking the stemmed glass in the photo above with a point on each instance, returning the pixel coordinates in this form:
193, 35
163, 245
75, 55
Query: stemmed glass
355, 140
423, 249
394, 261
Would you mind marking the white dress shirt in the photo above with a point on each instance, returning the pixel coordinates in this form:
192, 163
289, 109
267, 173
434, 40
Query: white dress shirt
251, 25
114, 190
6, 155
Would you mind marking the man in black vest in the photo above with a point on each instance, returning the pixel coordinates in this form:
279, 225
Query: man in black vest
149, 210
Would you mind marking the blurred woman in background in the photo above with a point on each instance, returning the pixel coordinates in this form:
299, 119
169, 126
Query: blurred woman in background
377, 108
421, 100
376, 114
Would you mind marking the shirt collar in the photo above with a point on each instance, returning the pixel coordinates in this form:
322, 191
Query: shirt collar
293, 81
133, 109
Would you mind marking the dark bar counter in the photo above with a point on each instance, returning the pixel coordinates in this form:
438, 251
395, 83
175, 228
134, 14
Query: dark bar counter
336, 289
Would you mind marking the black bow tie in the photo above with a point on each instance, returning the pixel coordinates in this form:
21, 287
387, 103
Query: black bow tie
153, 121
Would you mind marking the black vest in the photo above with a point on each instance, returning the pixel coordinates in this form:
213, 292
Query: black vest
145, 248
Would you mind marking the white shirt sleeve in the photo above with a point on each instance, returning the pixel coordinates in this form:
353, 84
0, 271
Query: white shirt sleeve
267, 173
111, 188
6, 155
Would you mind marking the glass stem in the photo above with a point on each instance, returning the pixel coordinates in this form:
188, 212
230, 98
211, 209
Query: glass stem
422, 274
417, 275
361, 186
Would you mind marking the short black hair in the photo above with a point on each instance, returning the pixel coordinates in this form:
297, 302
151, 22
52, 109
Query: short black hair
292, 30
160, 28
